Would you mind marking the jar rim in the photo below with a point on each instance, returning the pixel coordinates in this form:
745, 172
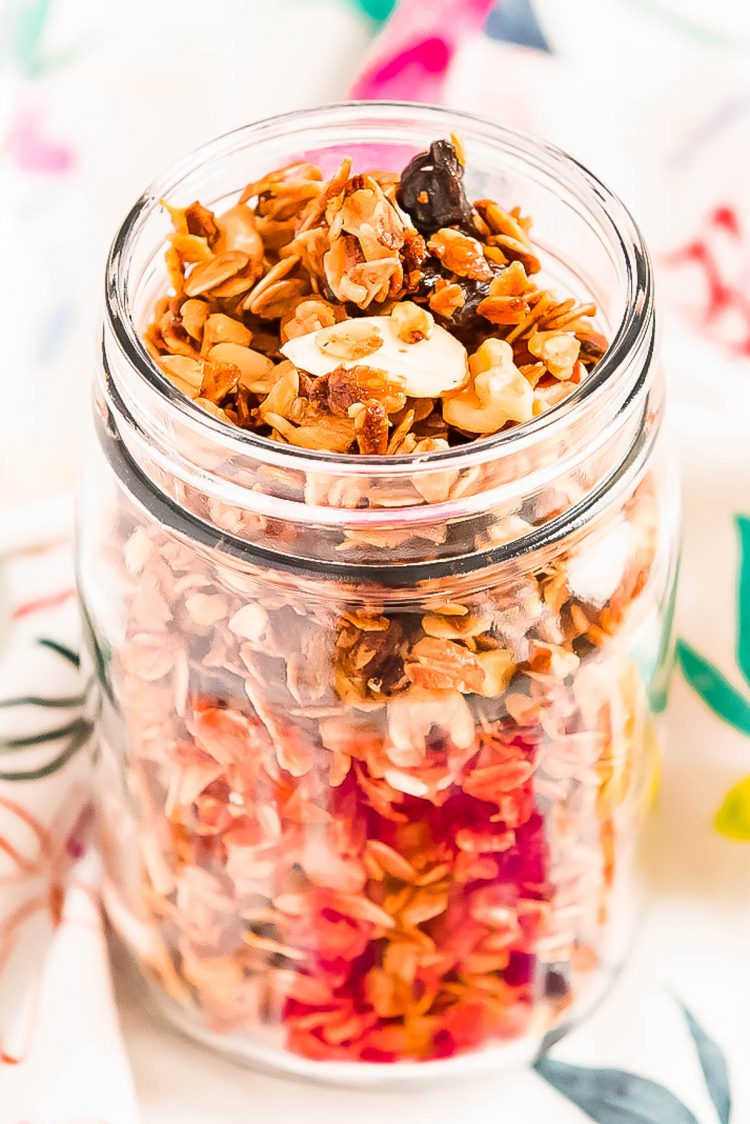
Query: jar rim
628, 339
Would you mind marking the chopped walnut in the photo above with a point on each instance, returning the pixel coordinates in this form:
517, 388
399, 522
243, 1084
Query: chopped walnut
370, 426
447, 299
309, 315
498, 394
460, 253
558, 351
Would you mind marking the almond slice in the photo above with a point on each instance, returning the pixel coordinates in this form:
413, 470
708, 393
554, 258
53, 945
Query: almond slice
425, 369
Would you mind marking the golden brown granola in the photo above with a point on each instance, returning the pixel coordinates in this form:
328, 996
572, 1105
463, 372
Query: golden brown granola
301, 259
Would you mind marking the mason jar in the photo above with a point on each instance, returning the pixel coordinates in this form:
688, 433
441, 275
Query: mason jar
377, 734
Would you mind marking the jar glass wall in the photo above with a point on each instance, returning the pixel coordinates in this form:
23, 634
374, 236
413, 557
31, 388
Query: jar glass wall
377, 734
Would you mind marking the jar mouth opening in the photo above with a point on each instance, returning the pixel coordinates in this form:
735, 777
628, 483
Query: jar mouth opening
629, 337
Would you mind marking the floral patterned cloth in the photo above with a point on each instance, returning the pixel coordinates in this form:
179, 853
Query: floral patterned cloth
659, 107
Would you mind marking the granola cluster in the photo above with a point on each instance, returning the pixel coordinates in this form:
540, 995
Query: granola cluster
368, 313
353, 823
376, 832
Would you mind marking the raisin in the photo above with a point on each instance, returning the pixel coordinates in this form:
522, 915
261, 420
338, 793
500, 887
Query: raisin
432, 271
465, 323
431, 191
466, 319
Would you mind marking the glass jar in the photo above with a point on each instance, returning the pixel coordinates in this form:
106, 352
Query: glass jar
377, 734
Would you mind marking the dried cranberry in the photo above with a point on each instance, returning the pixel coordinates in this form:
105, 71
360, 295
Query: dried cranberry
431, 191
520, 970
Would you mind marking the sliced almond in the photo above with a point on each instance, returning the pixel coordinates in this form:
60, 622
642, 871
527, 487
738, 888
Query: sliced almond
207, 275
425, 369
191, 247
193, 314
252, 365
238, 231
185, 373
224, 329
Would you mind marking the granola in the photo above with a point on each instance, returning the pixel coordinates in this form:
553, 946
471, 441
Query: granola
376, 833
400, 270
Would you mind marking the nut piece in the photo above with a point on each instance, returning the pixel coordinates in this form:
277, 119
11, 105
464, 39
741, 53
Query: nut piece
499, 393
425, 369
185, 373
220, 328
213, 273
300, 264
498, 668
366, 235
206, 608
447, 299
252, 365
309, 315
354, 339
193, 314
238, 230
460, 253
250, 622
411, 323
557, 350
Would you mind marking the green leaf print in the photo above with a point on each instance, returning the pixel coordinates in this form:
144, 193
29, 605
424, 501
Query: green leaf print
614, 1096
728, 703
713, 1066
23, 29
378, 10
715, 690
64, 740
617, 1096
743, 598
661, 676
